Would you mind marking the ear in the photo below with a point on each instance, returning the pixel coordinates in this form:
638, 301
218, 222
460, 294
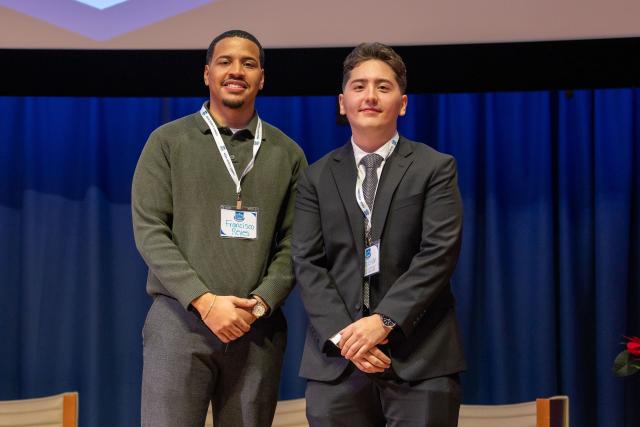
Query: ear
343, 111
261, 79
403, 109
206, 75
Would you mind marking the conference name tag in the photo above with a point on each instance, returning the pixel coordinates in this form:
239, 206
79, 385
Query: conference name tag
372, 259
238, 223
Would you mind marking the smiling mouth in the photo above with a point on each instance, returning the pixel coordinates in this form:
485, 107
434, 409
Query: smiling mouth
370, 110
234, 84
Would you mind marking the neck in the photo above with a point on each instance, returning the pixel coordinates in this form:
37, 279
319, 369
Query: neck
371, 140
236, 118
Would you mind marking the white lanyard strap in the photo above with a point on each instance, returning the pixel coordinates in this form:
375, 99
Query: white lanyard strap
257, 141
366, 211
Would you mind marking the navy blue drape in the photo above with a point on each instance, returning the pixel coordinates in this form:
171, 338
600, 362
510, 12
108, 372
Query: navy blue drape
547, 284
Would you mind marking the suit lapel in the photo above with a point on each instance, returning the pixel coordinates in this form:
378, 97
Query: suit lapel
394, 169
345, 174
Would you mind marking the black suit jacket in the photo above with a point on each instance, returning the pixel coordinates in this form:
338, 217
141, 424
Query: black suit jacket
417, 216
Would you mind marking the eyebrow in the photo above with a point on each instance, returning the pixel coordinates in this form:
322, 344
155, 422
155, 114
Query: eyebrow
243, 58
374, 80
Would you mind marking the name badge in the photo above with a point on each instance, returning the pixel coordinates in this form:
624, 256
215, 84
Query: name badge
238, 223
372, 259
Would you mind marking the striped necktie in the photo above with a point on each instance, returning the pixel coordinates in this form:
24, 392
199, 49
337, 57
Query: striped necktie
371, 162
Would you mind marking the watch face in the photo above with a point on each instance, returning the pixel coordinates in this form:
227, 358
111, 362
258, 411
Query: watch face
258, 310
386, 321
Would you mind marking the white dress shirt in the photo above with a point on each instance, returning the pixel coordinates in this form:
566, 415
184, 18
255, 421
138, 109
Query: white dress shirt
383, 151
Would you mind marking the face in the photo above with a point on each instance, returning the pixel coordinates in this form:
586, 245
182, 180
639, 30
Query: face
234, 75
371, 98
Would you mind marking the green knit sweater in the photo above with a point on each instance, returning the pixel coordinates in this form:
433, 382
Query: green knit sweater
178, 187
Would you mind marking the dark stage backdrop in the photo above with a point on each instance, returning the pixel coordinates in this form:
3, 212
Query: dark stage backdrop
547, 283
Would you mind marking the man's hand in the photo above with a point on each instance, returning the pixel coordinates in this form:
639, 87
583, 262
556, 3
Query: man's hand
361, 336
246, 315
229, 318
372, 361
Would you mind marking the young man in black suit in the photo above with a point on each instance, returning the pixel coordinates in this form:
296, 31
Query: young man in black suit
376, 237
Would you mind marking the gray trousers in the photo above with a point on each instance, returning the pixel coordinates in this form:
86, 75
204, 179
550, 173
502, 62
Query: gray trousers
186, 366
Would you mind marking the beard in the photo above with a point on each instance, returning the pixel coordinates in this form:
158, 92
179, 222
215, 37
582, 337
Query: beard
234, 104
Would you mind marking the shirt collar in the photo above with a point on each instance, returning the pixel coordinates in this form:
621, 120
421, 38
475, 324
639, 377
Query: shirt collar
359, 153
249, 130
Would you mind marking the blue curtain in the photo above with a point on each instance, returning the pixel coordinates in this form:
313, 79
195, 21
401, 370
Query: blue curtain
547, 284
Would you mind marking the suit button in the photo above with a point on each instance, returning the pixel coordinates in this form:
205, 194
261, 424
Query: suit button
357, 307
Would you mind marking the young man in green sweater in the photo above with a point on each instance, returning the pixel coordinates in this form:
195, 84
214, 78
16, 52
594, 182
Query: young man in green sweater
212, 203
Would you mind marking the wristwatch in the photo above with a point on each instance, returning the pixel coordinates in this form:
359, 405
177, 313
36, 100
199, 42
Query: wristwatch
387, 321
260, 309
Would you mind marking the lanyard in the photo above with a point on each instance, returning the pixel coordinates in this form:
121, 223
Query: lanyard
366, 211
257, 141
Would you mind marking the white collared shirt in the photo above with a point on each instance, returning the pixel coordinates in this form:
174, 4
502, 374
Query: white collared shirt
359, 153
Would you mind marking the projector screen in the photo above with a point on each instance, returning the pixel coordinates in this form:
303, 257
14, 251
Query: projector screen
190, 24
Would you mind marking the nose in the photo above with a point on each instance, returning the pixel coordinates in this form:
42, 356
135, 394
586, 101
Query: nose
236, 68
371, 95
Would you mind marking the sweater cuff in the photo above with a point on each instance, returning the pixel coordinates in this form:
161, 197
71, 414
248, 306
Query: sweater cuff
186, 295
269, 292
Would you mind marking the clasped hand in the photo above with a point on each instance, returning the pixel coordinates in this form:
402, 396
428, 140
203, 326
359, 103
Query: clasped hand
229, 318
359, 343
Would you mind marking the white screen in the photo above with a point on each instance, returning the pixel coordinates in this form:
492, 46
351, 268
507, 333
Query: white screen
191, 24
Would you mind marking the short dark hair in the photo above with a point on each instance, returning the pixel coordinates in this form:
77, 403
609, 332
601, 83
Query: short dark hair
235, 33
366, 51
